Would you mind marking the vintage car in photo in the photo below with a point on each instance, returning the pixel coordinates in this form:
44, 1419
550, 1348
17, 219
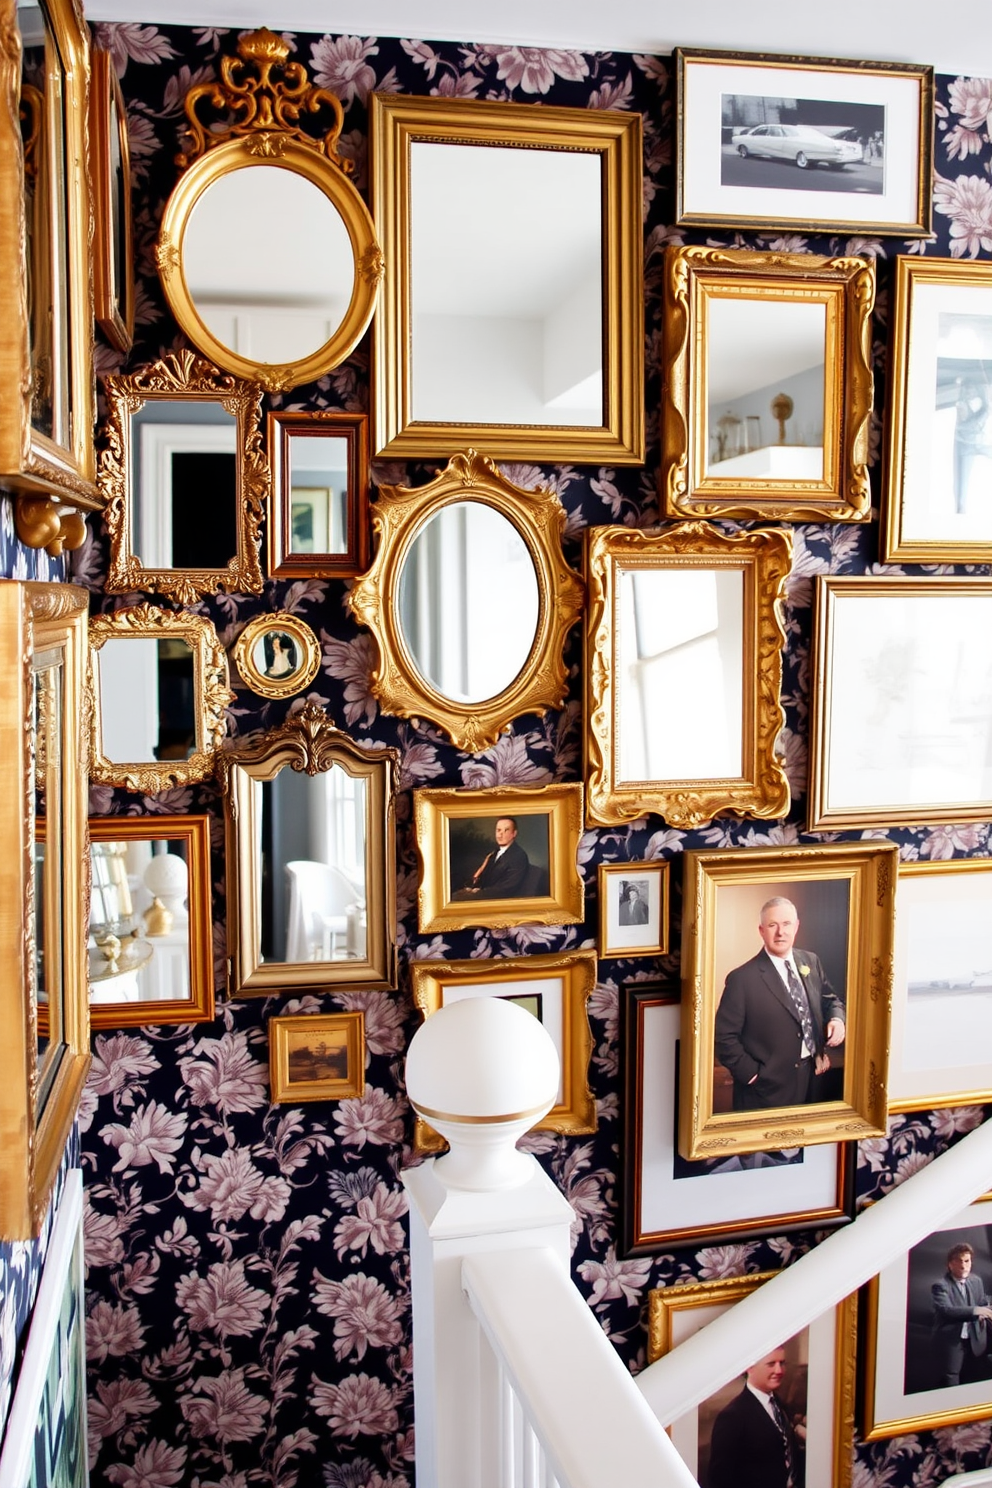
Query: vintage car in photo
799, 143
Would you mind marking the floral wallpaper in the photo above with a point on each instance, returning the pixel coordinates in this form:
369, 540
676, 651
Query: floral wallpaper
248, 1273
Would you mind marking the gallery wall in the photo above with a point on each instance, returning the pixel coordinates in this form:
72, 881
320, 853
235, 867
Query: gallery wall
248, 1273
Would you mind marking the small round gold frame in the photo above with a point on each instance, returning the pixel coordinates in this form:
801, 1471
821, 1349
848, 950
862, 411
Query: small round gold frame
284, 666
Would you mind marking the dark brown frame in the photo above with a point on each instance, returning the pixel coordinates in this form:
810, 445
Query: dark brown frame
282, 562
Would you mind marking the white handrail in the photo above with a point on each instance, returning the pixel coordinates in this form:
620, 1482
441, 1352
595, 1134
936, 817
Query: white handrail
567, 1376
980, 1479
829, 1273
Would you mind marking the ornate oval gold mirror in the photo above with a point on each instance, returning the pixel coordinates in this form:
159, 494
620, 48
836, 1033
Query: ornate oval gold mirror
311, 859
470, 600
267, 253
186, 480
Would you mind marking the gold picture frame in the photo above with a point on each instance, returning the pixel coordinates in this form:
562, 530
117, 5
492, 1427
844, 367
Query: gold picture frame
943, 945
916, 649
399, 127
824, 1398
316, 1057
540, 882
301, 531
934, 475
113, 259
554, 987
46, 424
735, 1003
179, 939
256, 127
537, 518
292, 666
136, 477
177, 632
356, 933
721, 400
633, 908
732, 585
43, 886
907, 1337
889, 106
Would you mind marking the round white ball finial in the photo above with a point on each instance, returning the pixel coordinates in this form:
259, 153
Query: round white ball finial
167, 878
482, 1071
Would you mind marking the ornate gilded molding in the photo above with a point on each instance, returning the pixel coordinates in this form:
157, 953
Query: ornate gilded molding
302, 668
398, 515
183, 376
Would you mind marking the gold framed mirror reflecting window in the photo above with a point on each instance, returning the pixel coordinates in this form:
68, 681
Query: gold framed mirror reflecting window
767, 385
683, 671
185, 475
43, 884
311, 859
494, 332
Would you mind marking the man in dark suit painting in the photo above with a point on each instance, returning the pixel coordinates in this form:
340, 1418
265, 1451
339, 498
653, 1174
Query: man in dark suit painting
502, 873
961, 1313
754, 1444
777, 1017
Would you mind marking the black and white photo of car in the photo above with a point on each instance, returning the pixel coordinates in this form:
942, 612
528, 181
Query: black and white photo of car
800, 144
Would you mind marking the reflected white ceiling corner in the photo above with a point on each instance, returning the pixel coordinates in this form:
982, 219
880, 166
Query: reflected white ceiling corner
954, 39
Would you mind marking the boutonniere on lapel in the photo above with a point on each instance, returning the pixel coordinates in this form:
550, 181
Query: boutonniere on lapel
804, 970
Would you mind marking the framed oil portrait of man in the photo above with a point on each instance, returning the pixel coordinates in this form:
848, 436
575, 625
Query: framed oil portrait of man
786, 965
500, 857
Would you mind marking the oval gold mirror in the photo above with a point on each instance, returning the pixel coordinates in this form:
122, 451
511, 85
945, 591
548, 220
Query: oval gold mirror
267, 253
470, 600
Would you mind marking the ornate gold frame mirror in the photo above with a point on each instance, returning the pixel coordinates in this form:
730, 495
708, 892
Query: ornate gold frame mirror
285, 262
43, 887
46, 331
151, 955
159, 685
186, 479
526, 343
323, 894
470, 600
683, 671
113, 259
767, 385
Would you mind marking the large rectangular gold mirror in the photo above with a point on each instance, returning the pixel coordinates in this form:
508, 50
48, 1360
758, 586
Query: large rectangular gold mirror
683, 669
46, 331
767, 385
45, 1051
150, 947
493, 332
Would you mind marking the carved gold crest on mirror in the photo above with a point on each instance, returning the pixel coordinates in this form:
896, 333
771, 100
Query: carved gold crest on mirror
159, 684
267, 254
311, 858
470, 600
683, 667
767, 386
186, 479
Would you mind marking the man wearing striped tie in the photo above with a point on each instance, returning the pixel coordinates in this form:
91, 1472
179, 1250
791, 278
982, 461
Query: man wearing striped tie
754, 1444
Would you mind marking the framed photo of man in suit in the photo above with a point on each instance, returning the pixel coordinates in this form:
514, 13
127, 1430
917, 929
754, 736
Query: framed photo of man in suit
928, 1331
499, 858
786, 965
778, 1424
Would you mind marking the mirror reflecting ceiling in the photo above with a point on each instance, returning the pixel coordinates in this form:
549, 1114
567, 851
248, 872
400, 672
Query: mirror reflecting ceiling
680, 636
468, 601
274, 295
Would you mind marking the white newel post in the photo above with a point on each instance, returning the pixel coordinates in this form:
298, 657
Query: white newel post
482, 1072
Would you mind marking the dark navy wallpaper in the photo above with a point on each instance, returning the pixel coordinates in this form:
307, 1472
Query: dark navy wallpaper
248, 1286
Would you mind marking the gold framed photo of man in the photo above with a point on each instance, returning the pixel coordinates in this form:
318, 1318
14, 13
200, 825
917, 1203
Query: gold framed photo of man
786, 969
633, 908
500, 857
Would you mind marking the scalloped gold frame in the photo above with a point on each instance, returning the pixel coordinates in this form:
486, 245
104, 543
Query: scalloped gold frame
398, 515
265, 114
869, 868
575, 1114
304, 637
212, 695
395, 122
846, 289
665, 1302
186, 378
308, 742
764, 556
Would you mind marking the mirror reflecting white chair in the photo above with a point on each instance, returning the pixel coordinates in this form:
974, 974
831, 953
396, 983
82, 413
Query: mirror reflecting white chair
325, 917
